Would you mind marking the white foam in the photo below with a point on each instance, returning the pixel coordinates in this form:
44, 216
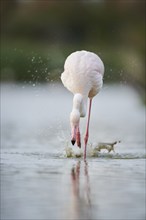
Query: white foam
73, 152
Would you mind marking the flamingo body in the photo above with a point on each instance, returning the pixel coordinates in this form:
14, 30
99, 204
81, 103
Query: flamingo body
83, 76
83, 73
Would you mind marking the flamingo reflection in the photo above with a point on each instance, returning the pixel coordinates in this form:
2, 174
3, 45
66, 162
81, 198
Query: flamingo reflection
80, 191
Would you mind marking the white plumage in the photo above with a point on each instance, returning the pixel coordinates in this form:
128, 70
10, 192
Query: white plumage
83, 72
83, 76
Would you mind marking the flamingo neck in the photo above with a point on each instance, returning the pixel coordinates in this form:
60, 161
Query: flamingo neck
79, 104
78, 110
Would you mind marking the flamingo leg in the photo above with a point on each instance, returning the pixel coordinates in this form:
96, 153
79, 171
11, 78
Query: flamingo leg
78, 139
87, 129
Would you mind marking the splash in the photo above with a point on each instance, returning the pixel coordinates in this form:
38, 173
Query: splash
105, 146
75, 151
101, 150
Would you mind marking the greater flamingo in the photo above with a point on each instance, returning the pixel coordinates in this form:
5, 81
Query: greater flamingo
83, 76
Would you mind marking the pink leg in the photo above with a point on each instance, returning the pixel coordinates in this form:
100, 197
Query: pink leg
78, 139
87, 129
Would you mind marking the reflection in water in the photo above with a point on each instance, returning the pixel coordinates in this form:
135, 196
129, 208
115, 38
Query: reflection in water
80, 192
87, 184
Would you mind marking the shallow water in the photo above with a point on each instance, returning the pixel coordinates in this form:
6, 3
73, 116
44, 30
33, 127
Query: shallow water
39, 182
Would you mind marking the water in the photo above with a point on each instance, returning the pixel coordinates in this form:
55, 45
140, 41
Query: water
39, 182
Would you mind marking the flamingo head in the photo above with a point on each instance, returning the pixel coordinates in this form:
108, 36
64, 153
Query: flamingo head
74, 122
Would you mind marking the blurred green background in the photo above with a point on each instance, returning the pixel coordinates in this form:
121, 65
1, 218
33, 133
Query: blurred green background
37, 36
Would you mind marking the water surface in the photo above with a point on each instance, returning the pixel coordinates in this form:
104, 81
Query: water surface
39, 182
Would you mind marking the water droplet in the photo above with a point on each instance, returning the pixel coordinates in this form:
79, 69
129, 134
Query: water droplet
32, 59
33, 84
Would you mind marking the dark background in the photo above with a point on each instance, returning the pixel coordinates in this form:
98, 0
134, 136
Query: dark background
37, 36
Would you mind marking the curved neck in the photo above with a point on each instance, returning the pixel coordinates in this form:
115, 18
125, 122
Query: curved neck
79, 104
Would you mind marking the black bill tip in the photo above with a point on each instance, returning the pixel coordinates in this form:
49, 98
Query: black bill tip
73, 142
